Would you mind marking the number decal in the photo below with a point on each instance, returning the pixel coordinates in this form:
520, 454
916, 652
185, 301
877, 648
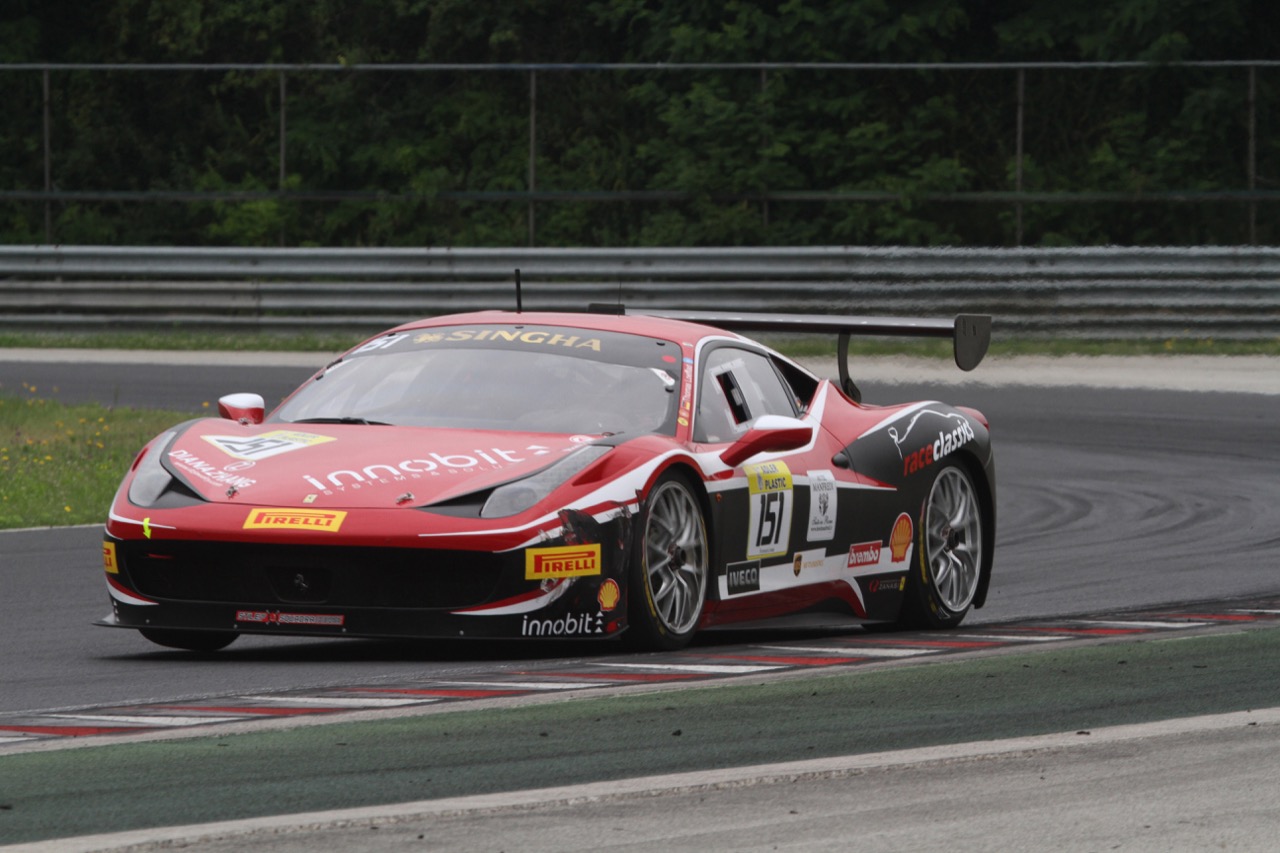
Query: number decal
770, 488
768, 530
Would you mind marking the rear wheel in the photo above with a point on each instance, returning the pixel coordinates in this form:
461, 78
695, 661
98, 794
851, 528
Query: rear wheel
669, 571
948, 565
192, 641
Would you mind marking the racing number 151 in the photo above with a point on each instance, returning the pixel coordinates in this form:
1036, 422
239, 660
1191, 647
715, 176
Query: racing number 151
769, 526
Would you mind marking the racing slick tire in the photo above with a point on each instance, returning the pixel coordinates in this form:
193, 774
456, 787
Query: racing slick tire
192, 641
949, 552
670, 567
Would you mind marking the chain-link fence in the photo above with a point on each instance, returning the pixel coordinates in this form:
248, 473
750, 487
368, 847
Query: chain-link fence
633, 154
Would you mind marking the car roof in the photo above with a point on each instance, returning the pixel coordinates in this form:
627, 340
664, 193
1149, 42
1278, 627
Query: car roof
679, 331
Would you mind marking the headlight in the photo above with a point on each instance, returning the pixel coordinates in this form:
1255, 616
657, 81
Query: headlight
151, 479
522, 494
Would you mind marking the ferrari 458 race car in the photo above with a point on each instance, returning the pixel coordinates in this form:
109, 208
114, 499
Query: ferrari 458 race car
560, 475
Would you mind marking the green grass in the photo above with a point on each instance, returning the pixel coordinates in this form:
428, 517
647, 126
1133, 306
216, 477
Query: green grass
183, 339
61, 464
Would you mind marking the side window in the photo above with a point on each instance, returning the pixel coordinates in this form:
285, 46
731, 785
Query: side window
737, 386
802, 386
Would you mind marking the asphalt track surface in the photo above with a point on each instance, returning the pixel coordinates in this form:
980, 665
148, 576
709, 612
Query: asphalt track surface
1110, 498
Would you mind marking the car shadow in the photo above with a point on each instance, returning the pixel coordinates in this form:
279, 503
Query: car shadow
260, 649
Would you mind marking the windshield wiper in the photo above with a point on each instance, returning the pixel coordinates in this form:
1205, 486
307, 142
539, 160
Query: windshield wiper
347, 420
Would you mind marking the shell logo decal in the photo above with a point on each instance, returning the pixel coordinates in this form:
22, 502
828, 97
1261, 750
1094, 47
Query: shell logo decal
900, 539
609, 595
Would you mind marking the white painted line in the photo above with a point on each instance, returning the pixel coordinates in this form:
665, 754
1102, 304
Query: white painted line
855, 651
263, 829
522, 685
890, 651
143, 720
1117, 623
17, 739
1241, 610
706, 669
1020, 638
335, 701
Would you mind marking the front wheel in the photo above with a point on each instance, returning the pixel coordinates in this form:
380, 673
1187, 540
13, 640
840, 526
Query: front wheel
948, 565
192, 641
670, 567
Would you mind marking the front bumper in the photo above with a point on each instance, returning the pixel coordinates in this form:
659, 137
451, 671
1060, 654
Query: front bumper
350, 591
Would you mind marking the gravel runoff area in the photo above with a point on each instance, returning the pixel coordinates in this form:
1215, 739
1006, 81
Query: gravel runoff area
1234, 374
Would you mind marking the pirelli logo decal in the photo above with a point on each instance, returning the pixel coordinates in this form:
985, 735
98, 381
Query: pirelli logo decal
294, 519
568, 561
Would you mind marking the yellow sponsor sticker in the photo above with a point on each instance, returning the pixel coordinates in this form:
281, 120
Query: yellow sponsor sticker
328, 521
566, 561
109, 558
770, 488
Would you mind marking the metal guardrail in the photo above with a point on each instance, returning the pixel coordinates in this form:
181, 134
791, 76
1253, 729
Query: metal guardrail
1089, 292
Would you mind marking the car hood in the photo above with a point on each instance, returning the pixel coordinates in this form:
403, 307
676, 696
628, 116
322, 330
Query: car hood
353, 465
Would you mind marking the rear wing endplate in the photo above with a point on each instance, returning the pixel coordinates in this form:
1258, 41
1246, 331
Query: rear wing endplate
970, 333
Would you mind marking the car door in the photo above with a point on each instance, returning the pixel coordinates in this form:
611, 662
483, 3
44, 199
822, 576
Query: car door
777, 512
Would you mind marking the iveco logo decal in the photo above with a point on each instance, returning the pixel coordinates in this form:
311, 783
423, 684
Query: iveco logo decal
742, 577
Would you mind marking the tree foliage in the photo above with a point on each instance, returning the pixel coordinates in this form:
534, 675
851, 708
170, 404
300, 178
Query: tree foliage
708, 155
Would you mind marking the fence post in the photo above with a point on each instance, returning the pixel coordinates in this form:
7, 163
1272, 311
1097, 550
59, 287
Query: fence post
1022, 92
1252, 166
284, 138
48, 166
533, 151
764, 93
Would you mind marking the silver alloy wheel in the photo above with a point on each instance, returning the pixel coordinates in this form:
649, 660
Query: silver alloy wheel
953, 539
675, 548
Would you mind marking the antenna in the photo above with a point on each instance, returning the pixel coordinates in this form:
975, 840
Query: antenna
519, 300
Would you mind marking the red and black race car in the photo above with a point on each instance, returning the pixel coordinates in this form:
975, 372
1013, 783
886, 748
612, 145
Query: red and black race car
560, 475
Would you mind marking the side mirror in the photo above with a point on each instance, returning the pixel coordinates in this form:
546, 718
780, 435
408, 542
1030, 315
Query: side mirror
245, 408
769, 434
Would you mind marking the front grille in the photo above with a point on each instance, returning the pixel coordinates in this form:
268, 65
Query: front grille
236, 573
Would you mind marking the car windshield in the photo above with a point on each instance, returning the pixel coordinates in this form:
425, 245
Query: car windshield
501, 377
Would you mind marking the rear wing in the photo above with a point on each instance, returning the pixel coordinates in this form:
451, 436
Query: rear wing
970, 333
